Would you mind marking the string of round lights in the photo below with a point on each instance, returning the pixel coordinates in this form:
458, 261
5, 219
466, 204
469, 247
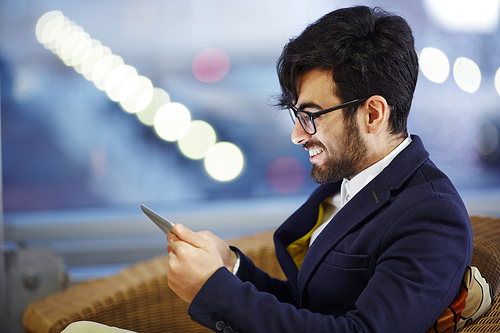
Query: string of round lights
135, 94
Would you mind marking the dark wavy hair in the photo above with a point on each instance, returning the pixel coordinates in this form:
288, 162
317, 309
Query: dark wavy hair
368, 51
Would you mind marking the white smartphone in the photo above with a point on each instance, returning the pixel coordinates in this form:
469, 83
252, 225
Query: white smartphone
165, 225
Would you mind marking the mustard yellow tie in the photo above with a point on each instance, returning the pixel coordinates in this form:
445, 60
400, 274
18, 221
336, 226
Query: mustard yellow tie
298, 248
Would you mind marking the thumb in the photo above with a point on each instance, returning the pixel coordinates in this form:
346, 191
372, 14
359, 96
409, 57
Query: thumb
189, 236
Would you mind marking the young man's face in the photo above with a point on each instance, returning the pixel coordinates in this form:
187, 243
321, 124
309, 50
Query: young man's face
336, 150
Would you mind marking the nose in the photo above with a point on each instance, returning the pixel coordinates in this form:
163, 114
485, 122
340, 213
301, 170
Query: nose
299, 136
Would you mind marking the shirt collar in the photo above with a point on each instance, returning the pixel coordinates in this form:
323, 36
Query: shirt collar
349, 188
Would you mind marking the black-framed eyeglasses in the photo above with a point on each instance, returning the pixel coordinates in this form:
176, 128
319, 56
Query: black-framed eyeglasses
306, 118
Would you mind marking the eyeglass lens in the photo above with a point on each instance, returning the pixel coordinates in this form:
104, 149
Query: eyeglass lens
305, 121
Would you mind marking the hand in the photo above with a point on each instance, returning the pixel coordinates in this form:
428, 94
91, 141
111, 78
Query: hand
192, 260
228, 256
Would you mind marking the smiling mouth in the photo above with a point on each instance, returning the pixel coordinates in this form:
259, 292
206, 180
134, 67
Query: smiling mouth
314, 152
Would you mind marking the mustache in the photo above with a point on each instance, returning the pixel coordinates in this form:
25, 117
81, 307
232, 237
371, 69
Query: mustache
313, 144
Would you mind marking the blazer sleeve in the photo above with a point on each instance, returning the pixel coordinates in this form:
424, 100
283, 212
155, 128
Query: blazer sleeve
248, 272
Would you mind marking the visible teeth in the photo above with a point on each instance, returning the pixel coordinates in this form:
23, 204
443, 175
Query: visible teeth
314, 152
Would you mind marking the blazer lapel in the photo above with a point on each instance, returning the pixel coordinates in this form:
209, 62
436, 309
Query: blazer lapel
297, 225
354, 213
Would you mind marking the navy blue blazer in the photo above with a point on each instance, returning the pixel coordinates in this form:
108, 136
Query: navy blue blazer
391, 260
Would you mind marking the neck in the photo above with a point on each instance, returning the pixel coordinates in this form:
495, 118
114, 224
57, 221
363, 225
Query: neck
383, 147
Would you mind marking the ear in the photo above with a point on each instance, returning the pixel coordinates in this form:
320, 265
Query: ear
377, 114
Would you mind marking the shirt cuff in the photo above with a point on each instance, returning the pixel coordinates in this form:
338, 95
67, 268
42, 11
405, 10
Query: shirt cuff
237, 264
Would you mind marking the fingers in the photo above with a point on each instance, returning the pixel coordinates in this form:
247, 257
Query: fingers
190, 237
184, 238
228, 256
206, 235
171, 237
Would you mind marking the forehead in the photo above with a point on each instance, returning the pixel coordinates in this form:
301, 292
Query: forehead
317, 87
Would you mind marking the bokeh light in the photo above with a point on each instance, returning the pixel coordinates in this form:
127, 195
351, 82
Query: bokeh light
159, 99
48, 26
70, 45
198, 140
92, 57
497, 81
172, 121
488, 140
224, 161
56, 31
210, 65
115, 78
286, 175
479, 16
135, 94
81, 51
467, 74
64, 36
102, 67
434, 64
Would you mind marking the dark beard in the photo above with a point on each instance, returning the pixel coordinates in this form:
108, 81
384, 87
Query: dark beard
349, 160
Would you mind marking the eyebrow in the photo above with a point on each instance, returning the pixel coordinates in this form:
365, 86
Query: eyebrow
309, 105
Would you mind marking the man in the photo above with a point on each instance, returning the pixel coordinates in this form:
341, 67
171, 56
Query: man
383, 244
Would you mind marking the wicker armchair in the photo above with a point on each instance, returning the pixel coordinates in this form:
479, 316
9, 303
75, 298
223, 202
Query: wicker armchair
139, 298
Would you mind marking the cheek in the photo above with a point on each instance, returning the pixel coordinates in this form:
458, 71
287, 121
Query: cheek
331, 141
331, 133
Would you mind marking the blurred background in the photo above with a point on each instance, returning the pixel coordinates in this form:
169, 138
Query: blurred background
109, 104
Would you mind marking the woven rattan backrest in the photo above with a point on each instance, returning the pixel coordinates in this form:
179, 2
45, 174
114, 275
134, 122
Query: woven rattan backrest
486, 254
486, 257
